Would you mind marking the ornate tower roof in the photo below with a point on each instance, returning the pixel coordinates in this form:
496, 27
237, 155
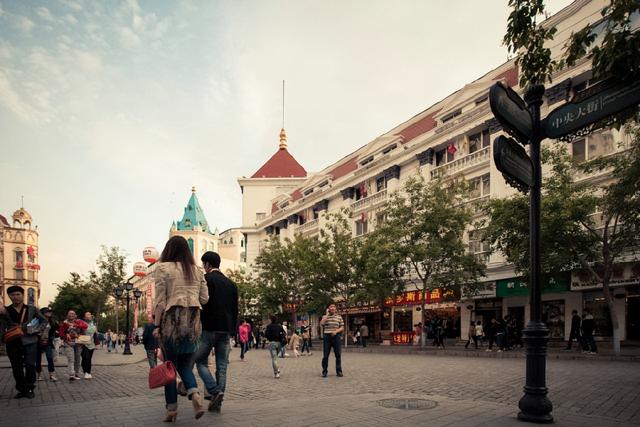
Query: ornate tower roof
193, 215
282, 164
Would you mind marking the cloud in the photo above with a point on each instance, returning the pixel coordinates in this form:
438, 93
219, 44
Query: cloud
128, 37
23, 23
44, 13
72, 4
10, 98
70, 19
89, 61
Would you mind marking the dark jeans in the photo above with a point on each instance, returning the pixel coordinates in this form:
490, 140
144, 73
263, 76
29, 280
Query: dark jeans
23, 364
364, 341
219, 342
244, 347
574, 335
184, 367
87, 355
475, 341
305, 346
48, 351
589, 343
329, 342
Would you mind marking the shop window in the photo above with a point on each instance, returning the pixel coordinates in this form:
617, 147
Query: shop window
403, 320
593, 146
595, 302
553, 316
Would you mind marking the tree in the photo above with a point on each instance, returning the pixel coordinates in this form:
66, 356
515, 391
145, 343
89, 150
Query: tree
571, 238
248, 295
110, 273
339, 260
287, 272
425, 223
75, 294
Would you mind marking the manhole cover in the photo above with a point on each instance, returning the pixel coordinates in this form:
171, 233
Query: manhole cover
410, 404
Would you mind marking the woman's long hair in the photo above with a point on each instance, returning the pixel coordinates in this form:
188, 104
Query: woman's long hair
177, 250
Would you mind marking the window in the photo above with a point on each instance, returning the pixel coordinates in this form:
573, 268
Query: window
480, 186
389, 149
381, 183
451, 116
593, 146
367, 160
260, 216
361, 227
190, 242
441, 157
477, 246
307, 192
19, 274
19, 256
380, 218
479, 140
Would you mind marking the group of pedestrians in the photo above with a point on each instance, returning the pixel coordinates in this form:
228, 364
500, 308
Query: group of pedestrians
28, 332
582, 329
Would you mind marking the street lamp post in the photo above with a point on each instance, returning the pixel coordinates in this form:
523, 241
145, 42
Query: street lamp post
124, 291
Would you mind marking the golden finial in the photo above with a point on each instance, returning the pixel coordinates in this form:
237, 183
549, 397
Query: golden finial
283, 139
193, 189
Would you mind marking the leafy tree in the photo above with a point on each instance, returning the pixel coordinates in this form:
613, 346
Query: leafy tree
248, 292
287, 272
75, 294
110, 273
425, 223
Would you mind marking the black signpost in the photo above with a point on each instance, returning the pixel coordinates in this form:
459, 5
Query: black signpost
525, 173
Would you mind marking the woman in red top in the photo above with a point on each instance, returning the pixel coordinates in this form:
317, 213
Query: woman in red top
70, 329
244, 332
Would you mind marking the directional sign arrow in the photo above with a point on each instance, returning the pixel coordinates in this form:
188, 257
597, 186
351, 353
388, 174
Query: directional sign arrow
512, 160
576, 115
511, 112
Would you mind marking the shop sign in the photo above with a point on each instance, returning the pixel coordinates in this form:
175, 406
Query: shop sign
416, 297
481, 291
360, 307
518, 287
623, 275
401, 337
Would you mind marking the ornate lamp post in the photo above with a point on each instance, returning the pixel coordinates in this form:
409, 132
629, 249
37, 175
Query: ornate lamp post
124, 291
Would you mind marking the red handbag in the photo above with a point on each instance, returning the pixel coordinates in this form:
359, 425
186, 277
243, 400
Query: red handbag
162, 375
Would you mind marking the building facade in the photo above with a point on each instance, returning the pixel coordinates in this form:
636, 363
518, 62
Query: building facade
452, 137
19, 263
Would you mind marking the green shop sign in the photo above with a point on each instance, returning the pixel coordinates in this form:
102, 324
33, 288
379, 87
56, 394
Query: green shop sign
518, 287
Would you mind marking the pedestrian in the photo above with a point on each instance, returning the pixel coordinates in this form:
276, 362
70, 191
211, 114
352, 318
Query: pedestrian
364, 334
219, 316
283, 347
275, 334
306, 340
244, 334
490, 332
150, 342
255, 330
21, 338
89, 347
575, 330
108, 336
472, 335
294, 343
180, 293
45, 344
333, 327
588, 327
70, 330
480, 333
356, 337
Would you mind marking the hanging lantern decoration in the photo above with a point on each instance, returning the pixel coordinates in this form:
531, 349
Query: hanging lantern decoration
140, 269
150, 254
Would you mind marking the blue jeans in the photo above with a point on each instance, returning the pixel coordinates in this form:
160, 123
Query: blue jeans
219, 342
244, 347
184, 367
274, 349
329, 342
305, 346
48, 351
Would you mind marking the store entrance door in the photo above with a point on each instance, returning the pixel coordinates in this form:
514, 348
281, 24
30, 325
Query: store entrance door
633, 317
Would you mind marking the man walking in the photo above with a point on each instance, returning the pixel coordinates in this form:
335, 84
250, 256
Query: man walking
150, 343
575, 330
21, 340
364, 334
275, 334
218, 317
333, 328
588, 328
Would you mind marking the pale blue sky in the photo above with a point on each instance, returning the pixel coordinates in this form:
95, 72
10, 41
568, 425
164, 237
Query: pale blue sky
111, 110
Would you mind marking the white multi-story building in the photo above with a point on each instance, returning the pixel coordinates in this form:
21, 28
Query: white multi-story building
452, 137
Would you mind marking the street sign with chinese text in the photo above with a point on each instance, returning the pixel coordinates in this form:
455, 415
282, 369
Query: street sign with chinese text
511, 111
512, 160
574, 116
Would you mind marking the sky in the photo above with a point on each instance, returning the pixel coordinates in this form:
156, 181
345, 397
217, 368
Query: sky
112, 110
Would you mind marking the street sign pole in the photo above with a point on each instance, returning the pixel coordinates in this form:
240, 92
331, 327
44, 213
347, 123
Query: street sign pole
535, 406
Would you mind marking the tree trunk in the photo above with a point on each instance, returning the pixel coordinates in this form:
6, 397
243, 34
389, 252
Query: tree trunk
423, 337
617, 332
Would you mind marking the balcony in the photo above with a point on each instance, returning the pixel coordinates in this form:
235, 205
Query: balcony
475, 158
308, 227
370, 201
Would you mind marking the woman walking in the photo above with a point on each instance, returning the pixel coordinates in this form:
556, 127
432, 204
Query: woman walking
180, 293
244, 335
45, 344
90, 346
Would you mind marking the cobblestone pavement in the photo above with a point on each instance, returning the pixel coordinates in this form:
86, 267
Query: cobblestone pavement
461, 391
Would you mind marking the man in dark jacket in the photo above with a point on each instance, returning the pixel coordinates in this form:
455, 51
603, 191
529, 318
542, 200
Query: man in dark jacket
150, 343
588, 328
575, 330
22, 351
218, 317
